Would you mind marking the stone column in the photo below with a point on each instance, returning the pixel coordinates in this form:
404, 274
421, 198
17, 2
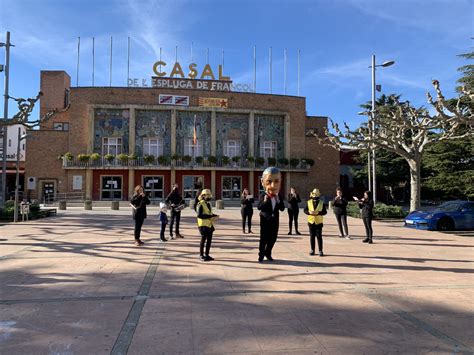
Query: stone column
251, 134
173, 132
131, 132
287, 136
252, 183
173, 178
213, 182
131, 182
90, 142
213, 133
89, 184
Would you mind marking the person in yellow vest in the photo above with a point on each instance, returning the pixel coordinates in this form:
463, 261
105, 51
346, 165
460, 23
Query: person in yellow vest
205, 221
315, 209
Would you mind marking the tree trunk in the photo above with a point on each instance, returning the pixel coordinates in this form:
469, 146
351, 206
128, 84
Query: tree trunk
415, 183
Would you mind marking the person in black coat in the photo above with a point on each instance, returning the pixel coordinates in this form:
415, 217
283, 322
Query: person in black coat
339, 204
138, 204
367, 205
176, 202
293, 210
270, 204
246, 209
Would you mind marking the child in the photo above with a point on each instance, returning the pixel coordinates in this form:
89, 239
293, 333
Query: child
163, 220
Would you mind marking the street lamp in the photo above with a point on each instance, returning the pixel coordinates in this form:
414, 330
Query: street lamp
17, 179
372, 126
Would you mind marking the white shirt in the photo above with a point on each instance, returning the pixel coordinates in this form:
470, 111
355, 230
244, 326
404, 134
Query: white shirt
274, 202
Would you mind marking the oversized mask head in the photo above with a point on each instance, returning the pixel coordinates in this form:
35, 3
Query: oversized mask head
271, 181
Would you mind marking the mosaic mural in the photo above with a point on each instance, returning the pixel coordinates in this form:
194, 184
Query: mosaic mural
232, 127
111, 123
152, 124
270, 128
185, 129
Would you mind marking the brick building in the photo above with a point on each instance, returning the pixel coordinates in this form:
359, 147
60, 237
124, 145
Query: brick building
119, 137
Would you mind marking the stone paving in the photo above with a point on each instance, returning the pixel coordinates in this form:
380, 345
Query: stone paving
75, 284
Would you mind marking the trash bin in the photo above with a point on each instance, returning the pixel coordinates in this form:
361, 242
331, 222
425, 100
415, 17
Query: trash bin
219, 204
62, 205
88, 205
115, 205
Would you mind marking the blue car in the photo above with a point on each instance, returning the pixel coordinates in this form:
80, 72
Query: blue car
452, 215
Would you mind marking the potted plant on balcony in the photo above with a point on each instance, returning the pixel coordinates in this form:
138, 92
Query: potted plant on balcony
260, 161
251, 161
199, 160
212, 160
225, 160
83, 158
162, 160
132, 158
95, 158
187, 159
308, 161
68, 156
271, 161
176, 157
283, 161
123, 158
109, 158
235, 161
294, 162
149, 159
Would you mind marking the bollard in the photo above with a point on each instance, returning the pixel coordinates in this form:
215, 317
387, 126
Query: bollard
88, 205
330, 205
191, 204
219, 204
115, 205
62, 205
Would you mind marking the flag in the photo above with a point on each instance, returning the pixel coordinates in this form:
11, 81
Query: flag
194, 133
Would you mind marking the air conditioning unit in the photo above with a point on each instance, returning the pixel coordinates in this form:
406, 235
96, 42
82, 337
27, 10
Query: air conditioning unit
31, 183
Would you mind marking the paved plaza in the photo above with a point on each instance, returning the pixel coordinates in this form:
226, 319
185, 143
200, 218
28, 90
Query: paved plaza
75, 284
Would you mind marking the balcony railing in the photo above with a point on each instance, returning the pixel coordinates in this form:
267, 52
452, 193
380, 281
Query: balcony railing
142, 163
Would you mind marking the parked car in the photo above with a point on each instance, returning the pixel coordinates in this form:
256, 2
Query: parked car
451, 215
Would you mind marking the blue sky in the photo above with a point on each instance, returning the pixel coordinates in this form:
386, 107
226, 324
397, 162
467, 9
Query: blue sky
336, 38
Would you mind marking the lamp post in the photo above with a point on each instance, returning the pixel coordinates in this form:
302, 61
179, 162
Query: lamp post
372, 127
17, 179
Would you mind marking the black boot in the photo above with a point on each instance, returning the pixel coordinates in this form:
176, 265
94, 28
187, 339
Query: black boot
366, 240
370, 241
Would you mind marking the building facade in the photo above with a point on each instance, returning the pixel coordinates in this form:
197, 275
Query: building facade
119, 137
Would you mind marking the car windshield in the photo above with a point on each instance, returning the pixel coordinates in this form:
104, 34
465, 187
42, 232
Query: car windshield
449, 207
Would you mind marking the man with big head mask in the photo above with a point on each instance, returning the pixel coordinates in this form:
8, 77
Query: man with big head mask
205, 221
176, 202
315, 209
270, 204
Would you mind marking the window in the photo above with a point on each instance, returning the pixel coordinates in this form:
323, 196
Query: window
268, 149
188, 148
61, 126
232, 148
152, 146
192, 185
231, 187
153, 187
111, 188
111, 146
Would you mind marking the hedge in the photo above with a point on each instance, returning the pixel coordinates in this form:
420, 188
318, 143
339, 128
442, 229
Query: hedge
381, 210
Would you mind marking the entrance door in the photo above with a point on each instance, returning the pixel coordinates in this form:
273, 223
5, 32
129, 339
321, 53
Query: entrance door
231, 187
48, 192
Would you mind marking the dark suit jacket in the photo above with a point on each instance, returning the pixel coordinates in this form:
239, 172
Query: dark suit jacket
140, 203
366, 207
269, 216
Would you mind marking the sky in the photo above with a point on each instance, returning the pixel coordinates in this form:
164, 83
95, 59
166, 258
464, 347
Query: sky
336, 40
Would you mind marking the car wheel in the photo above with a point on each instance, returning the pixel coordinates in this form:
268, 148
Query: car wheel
445, 224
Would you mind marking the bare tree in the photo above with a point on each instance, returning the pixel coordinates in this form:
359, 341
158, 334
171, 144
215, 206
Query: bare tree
407, 131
